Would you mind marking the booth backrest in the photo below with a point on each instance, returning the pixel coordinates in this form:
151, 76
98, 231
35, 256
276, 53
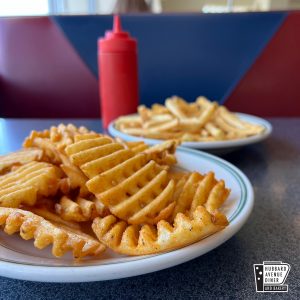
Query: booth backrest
48, 65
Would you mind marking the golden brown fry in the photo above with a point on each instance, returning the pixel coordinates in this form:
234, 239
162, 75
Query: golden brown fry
87, 136
136, 196
177, 174
158, 109
164, 153
75, 179
18, 158
59, 136
95, 157
144, 113
147, 132
53, 142
156, 113
191, 118
82, 157
25, 184
135, 190
185, 198
178, 107
132, 185
206, 111
214, 131
232, 123
190, 137
160, 135
148, 239
195, 190
63, 239
47, 214
50, 152
201, 121
102, 164
137, 147
79, 210
128, 121
157, 120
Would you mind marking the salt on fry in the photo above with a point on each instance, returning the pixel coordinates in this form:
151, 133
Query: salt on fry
148, 239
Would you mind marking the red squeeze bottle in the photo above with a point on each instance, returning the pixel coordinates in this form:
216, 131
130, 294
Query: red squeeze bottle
118, 74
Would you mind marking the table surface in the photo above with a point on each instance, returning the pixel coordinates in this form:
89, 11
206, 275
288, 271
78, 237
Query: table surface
271, 233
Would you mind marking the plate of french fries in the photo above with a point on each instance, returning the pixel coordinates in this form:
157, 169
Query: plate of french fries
202, 124
76, 205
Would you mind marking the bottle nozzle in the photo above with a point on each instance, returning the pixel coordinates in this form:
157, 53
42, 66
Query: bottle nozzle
117, 24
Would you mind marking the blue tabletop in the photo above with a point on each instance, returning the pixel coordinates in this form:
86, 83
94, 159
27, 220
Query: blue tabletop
271, 234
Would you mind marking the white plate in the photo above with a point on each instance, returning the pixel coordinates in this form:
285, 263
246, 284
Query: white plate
19, 259
217, 147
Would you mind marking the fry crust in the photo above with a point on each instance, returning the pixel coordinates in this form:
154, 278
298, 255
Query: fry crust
44, 233
148, 239
25, 184
130, 183
19, 158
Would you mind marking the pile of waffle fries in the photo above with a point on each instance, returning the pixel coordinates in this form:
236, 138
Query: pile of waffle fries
84, 192
200, 121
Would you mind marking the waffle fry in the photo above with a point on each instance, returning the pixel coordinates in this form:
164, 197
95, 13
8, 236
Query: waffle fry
53, 142
97, 155
136, 204
148, 239
80, 210
201, 121
18, 158
178, 174
48, 215
75, 179
26, 183
63, 239
136, 147
138, 194
195, 189
104, 160
164, 153
59, 136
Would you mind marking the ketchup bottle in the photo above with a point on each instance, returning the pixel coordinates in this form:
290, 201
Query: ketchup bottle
118, 75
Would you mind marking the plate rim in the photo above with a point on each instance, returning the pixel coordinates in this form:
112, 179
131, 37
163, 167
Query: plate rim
205, 145
91, 273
